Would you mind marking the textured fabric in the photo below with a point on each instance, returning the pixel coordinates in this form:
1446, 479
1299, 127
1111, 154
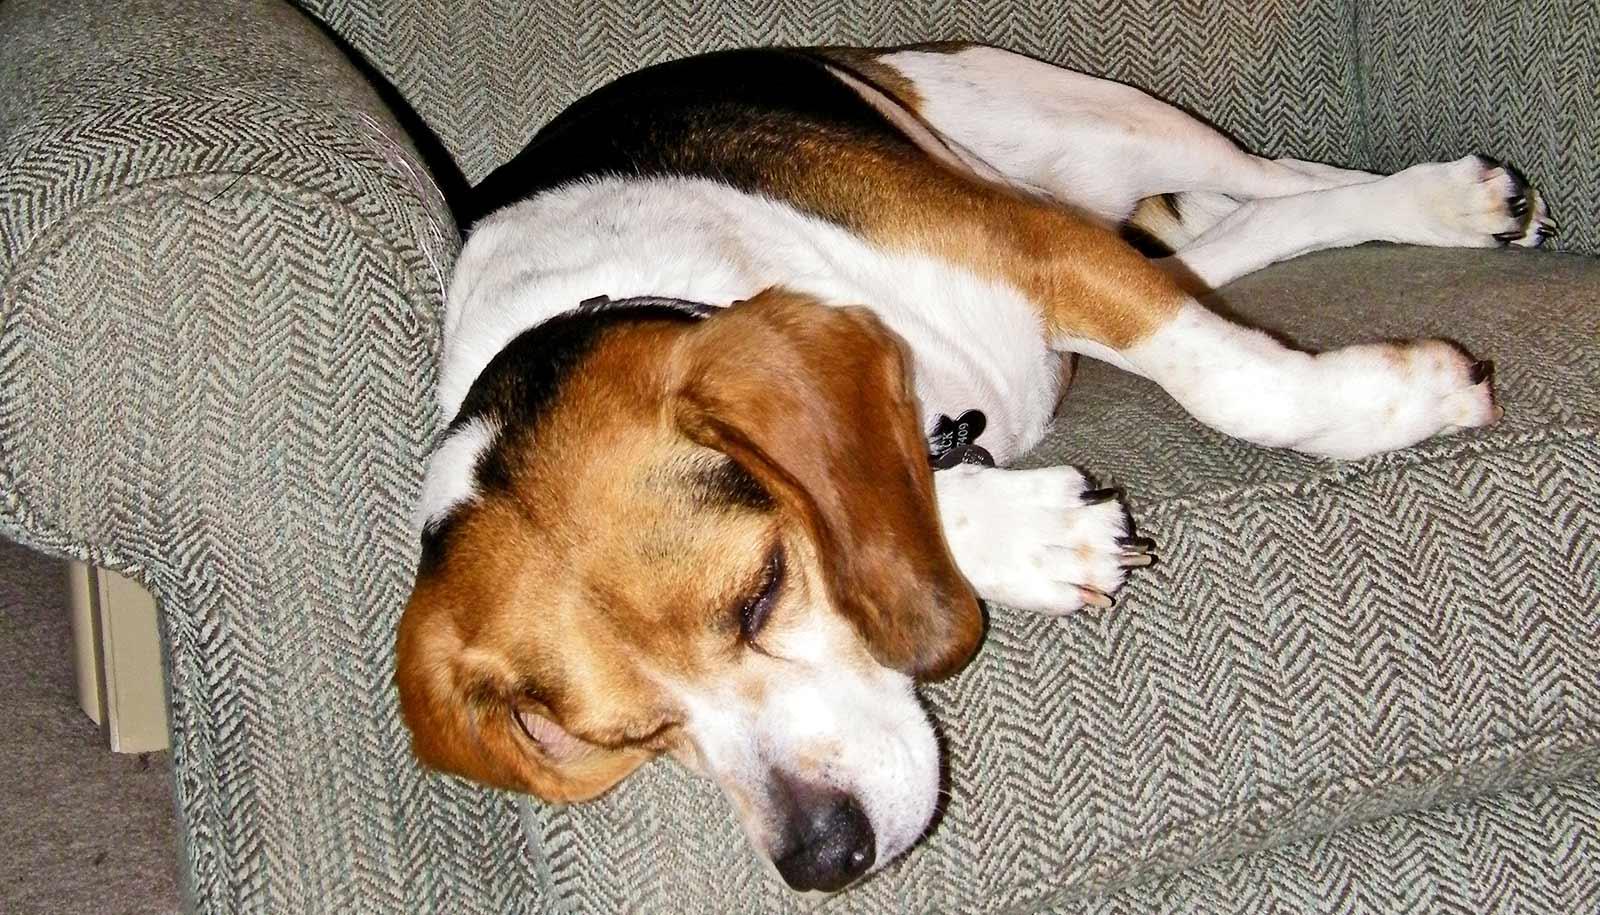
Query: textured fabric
1529, 852
1442, 78
1323, 643
221, 272
221, 268
1377, 84
486, 75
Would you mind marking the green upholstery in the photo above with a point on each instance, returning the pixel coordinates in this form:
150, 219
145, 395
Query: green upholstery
221, 266
1323, 643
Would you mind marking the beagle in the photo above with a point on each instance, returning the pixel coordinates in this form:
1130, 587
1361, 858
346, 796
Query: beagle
734, 360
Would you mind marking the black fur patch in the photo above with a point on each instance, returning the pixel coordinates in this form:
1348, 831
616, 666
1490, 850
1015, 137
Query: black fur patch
435, 538
1144, 242
735, 117
1170, 201
724, 482
522, 380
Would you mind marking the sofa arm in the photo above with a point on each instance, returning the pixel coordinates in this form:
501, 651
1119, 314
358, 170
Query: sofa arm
222, 267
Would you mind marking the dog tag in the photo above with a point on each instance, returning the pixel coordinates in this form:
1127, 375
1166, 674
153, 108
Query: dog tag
954, 441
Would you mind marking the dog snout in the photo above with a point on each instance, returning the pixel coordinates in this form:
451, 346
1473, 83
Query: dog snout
828, 840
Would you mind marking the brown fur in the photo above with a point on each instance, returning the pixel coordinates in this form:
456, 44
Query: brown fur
605, 571
867, 64
815, 403
1086, 281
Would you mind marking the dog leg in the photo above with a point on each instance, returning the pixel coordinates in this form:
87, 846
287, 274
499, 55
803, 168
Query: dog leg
1165, 223
1098, 145
1348, 403
1182, 187
1037, 540
1473, 202
1103, 146
1107, 302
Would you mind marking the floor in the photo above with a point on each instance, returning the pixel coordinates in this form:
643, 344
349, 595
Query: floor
82, 829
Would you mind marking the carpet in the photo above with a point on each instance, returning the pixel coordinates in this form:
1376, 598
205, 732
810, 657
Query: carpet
82, 829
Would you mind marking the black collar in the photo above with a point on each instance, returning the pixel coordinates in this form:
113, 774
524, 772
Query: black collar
522, 377
607, 303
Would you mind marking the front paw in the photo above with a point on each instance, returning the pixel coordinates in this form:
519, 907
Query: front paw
1039, 540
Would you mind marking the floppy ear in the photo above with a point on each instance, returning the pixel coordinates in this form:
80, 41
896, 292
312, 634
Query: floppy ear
814, 401
469, 716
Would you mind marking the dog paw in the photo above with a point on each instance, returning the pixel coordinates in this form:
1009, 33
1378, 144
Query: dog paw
1382, 396
1038, 540
1473, 202
1540, 227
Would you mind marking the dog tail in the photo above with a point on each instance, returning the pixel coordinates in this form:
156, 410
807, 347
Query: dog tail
1164, 223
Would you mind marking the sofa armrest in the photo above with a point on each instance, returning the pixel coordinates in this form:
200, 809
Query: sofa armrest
222, 268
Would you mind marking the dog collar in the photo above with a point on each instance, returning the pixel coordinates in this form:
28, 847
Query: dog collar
607, 303
952, 442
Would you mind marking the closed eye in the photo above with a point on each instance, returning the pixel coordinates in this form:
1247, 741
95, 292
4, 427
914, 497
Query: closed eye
757, 607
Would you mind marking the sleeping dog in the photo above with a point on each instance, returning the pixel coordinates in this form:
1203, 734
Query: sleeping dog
735, 357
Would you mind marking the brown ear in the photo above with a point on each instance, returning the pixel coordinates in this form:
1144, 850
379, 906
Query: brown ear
814, 402
469, 716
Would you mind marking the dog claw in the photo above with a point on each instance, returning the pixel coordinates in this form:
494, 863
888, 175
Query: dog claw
1094, 598
1099, 496
1135, 560
1136, 544
1506, 238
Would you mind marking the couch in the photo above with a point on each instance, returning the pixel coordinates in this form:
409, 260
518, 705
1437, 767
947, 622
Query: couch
1372, 686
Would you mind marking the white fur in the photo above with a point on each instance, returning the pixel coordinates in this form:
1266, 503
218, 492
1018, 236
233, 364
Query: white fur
857, 729
450, 479
1097, 144
975, 342
1024, 538
1344, 403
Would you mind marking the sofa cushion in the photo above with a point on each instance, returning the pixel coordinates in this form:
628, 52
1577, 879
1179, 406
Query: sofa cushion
1323, 643
1526, 850
486, 75
1440, 79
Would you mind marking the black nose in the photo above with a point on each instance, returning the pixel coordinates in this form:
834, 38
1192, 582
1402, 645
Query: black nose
830, 841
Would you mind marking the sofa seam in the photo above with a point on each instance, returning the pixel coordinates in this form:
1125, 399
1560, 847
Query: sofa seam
1580, 739
1355, 472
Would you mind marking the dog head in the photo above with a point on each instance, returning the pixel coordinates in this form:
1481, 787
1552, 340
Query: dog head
716, 540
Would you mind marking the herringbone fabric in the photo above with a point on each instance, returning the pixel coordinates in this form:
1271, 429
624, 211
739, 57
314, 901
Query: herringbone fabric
221, 268
1378, 84
487, 75
222, 271
1528, 852
1442, 78
1324, 643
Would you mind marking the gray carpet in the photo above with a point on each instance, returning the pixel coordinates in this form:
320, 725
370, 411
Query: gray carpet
82, 829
